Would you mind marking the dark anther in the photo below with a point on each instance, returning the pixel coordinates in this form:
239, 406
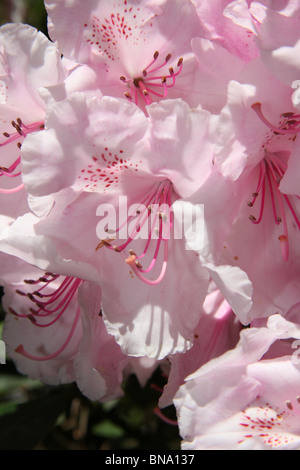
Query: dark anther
20, 292
30, 296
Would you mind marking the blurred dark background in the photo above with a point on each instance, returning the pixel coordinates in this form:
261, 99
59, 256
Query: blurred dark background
34, 416
24, 11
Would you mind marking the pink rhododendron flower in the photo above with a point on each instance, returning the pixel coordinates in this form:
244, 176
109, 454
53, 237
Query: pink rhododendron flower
144, 145
42, 327
149, 193
211, 58
257, 135
229, 24
140, 50
54, 332
246, 399
278, 38
28, 61
114, 150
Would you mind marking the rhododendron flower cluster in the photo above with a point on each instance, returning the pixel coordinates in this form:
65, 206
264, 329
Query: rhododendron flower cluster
149, 208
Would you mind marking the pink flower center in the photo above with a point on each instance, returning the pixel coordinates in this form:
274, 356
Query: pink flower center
154, 219
154, 81
271, 172
50, 305
20, 131
117, 31
272, 425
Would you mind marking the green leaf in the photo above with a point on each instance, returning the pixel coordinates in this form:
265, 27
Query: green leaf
108, 429
8, 407
30, 423
10, 383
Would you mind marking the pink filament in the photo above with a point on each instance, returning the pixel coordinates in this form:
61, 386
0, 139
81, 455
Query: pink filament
159, 279
140, 86
293, 129
9, 171
272, 170
160, 415
57, 294
60, 300
61, 308
261, 185
20, 131
12, 190
160, 194
35, 126
20, 349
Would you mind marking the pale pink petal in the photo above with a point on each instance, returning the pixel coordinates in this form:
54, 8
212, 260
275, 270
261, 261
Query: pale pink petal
220, 25
132, 47
30, 53
49, 349
99, 366
149, 320
217, 331
241, 401
21, 240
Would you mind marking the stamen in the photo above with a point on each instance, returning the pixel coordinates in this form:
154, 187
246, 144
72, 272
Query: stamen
155, 57
20, 131
20, 349
272, 170
58, 300
292, 125
159, 196
289, 404
128, 95
283, 238
159, 279
277, 219
260, 186
142, 86
12, 190
17, 127
159, 413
